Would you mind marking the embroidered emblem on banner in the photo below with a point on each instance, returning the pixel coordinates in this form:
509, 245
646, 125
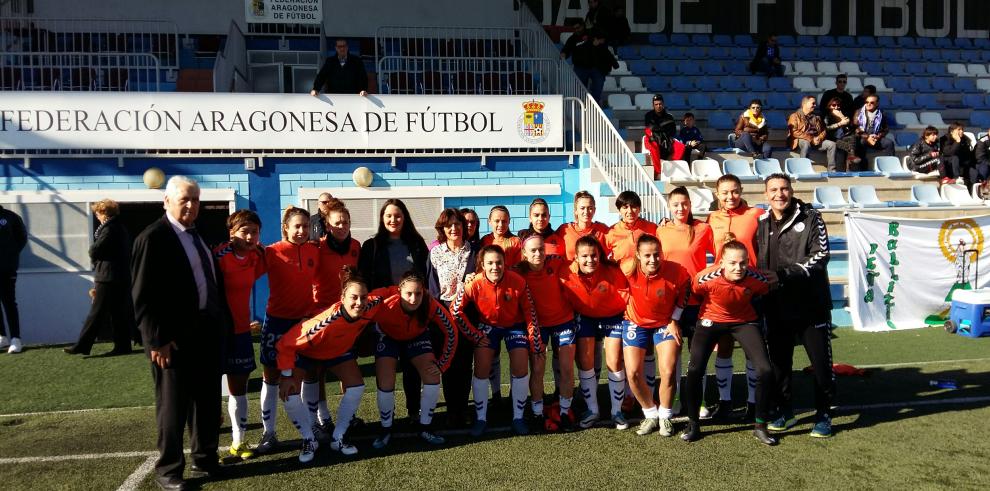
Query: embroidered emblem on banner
533, 124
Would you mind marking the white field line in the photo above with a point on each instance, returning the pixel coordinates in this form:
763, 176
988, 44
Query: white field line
134, 480
85, 456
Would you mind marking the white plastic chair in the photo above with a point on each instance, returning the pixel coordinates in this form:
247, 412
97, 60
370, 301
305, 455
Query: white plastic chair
622, 70
977, 70
878, 83
611, 85
631, 84
805, 68
958, 195
865, 196
908, 120
807, 84
828, 68
788, 69
675, 170
854, 85
644, 101
931, 118
957, 69
706, 170
983, 84
620, 102
701, 199
850, 68
830, 197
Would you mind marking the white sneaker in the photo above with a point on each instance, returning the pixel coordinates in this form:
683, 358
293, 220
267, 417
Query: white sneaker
15, 345
666, 427
705, 413
308, 450
342, 447
4, 342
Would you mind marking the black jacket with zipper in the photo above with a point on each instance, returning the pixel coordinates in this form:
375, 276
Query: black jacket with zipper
13, 238
111, 253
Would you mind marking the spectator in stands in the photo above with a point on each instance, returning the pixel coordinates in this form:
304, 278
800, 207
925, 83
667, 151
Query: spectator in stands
806, 131
318, 222
839, 129
618, 31
767, 58
860, 100
691, 137
925, 156
13, 238
982, 154
752, 132
845, 98
579, 36
341, 74
871, 129
592, 61
661, 131
956, 144
598, 16
111, 257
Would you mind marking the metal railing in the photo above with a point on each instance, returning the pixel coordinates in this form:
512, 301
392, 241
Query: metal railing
32, 35
230, 72
606, 149
116, 72
454, 42
483, 75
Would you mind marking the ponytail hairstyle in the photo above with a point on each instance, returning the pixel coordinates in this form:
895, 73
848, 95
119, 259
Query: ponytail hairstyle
502, 208
590, 241
539, 202
488, 249
422, 313
291, 211
682, 191
350, 276
643, 240
580, 195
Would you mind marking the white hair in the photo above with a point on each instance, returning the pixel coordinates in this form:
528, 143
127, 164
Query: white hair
175, 183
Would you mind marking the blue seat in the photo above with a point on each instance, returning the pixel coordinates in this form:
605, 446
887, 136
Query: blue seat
650, 53
744, 40
736, 66
927, 195
765, 167
902, 101
871, 67
657, 38
628, 53
911, 54
757, 83
701, 101
865, 196
887, 42
711, 67
920, 84
899, 84
701, 40
891, 167
682, 84
905, 138
980, 119
657, 83
963, 43
827, 40
731, 83
721, 121
805, 53
724, 100
680, 39
950, 55
666, 68
964, 85
976, 101
675, 101
936, 69
923, 42
806, 40
906, 42
778, 101
641, 67
981, 43
780, 84
678, 52
830, 197
828, 53
707, 84
739, 168
928, 101
943, 42
718, 53
722, 40
893, 68
691, 68
971, 56
776, 120
800, 168
866, 41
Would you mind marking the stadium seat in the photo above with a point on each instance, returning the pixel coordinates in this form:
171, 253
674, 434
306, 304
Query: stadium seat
622, 70
682, 84
977, 70
983, 84
958, 195
866, 41
718, 53
908, 120
805, 84
657, 83
788, 69
727, 101
891, 168
780, 84
980, 119
976, 101
722, 40
731, 83
905, 139
828, 68
957, 69
765, 167
878, 83
927, 195
805, 68
850, 68
705, 170
964, 85
902, 101
825, 83
776, 120
676, 102
936, 69
801, 168
711, 67
865, 196
931, 118
743, 40
651, 53
923, 42
620, 102
690, 68
680, 39
756, 83
675, 170
829, 197
669, 69
721, 121
854, 85
657, 38
708, 84
886, 42
778, 101
918, 84
701, 199
737, 67
631, 84
611, 85
640, 67
962, 43
846, 41
701, 101
628, 52
700, 40
928, 101
644, 101
739, 168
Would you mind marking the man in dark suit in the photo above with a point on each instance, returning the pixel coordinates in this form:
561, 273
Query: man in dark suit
111, 257
341, 74
180, 309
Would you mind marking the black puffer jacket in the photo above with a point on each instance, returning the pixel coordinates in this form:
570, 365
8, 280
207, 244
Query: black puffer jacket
13, 238
921, 155
796, 248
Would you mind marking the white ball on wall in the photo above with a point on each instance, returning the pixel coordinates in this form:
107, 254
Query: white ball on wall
154, 178
363, 177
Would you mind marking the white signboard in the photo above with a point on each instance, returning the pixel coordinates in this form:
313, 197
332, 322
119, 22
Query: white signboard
173, 121
284, 11
902, 272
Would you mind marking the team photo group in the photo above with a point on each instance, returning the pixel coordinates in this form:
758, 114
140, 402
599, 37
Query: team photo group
440, 310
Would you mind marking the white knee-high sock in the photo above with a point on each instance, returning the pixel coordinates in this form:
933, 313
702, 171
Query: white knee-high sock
537, 405
479, 386
495, 377
750, 382
565, 405
519, 390
237, 410
348, 406
386, 407
310, 394
269, 406
650, 370
589, 389
428, 403
617, 389
723, 375
299, 416
599, 359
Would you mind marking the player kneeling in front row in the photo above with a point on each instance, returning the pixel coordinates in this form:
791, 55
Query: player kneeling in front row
403, 319
327, 340
727, 292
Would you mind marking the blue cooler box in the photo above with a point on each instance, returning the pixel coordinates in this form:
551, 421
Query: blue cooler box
970, 312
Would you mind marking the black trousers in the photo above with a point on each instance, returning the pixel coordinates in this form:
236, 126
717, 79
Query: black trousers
111, 303
704, 340
816, 338
8, 280
456, 380
188, 391
701, 148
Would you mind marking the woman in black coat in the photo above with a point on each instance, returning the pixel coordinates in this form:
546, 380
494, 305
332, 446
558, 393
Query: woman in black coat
111, 257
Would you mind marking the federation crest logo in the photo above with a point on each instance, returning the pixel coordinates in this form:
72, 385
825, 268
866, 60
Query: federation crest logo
533, 124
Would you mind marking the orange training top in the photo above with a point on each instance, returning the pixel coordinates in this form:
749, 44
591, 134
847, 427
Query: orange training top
570, 233
596, 294
326, 283
239, 275
329, 334
678, 247
291, 272
741, 221
511, 246
398, 324
552, 307
620, 241
729, 301
503, 304
653, 301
